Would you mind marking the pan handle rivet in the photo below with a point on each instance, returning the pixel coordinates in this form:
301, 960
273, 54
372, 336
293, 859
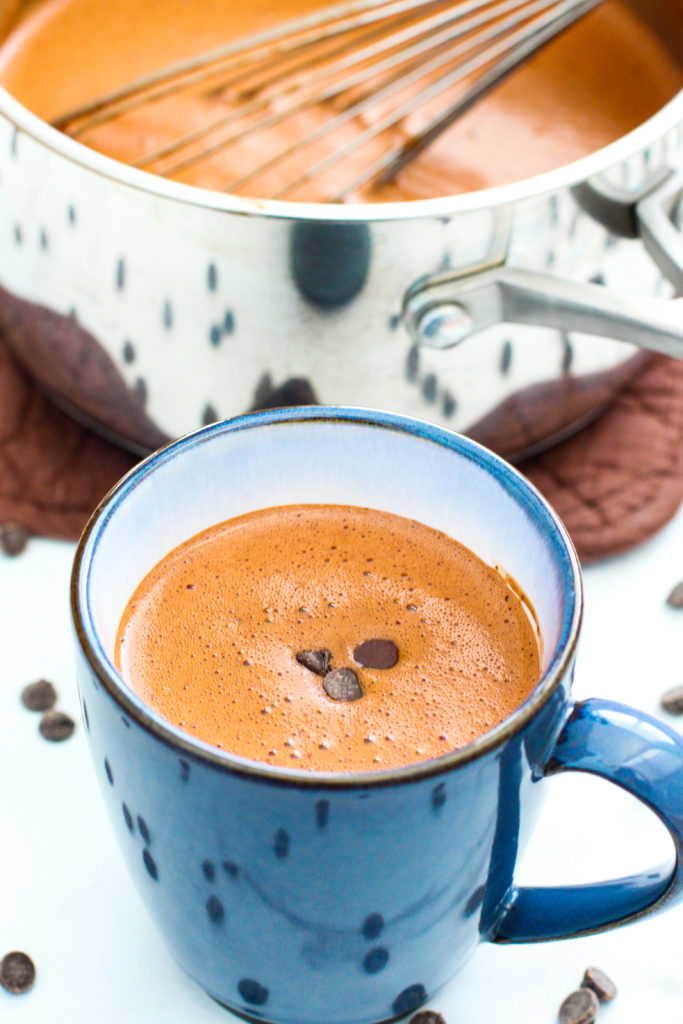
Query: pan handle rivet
444, 325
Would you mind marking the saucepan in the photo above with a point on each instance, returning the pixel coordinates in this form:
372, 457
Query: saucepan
148, 307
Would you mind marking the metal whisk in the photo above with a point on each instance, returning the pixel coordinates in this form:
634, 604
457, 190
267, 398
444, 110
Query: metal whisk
365, 63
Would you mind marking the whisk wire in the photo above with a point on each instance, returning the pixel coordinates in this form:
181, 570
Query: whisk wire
385, 169
347, 60
278, 40
483, 55
399, 80
356, 55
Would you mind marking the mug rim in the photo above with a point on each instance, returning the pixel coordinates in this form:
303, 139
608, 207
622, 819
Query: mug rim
522, 490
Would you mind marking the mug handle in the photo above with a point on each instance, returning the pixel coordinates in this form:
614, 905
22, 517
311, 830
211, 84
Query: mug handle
644, 757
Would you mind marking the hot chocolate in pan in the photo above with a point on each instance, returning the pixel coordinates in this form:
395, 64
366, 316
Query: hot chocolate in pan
599, 80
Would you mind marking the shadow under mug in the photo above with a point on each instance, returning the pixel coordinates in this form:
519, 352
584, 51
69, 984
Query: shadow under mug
297, 897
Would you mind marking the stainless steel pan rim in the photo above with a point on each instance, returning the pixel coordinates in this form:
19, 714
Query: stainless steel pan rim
667, 118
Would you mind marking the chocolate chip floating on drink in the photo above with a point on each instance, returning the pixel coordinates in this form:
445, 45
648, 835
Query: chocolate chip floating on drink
376, 654
315, 661
17, 972
342, 684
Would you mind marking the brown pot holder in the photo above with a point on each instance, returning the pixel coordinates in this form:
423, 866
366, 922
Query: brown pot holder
614, 483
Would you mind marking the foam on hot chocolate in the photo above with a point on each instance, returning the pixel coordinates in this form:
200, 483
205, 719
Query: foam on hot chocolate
210, 639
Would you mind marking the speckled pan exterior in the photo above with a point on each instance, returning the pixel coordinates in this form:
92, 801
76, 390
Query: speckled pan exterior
148, 307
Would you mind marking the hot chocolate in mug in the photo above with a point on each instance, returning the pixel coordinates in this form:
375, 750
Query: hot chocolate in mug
352, 897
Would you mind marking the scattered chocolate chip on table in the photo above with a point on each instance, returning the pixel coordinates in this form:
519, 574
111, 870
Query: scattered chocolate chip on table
13, 539
17, 972
675, 598
672, 700
56, 726
600, 983
39, 696
580, 1007
427, 1017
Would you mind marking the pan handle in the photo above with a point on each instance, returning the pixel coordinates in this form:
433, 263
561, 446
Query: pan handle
654, 214
444, 310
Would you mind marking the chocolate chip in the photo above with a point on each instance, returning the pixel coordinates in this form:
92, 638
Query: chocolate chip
376, 654
55, 726
17, 973
13, 538
342, 684
427, 1017
675, 598
672, 701
580, 1007
315, 661
40, 696
600, 983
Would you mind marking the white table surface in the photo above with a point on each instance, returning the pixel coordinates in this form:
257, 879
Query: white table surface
66, 899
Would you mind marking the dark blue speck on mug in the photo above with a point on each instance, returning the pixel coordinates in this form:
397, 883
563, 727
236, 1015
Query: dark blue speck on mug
297, 897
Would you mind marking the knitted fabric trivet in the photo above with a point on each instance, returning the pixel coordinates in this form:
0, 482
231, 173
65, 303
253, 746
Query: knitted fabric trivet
614, 483
621, 478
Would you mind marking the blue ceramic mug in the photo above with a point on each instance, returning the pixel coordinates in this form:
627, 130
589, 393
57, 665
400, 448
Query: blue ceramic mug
298, 897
